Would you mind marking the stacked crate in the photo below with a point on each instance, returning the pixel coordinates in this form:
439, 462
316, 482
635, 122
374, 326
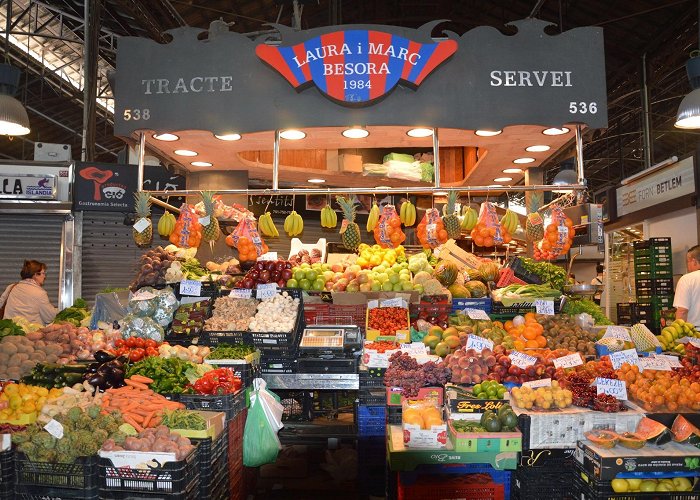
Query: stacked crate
653, 276
371, 432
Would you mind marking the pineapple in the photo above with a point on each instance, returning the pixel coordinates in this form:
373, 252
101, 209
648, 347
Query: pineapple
142, 205
450, 218
349, 231
211, 231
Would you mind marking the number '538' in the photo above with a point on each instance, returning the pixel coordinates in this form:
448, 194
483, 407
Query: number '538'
137, 114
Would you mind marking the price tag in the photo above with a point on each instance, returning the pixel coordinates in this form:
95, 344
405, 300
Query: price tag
241, 293
672, 361
205, 220
141, 224
521, 360
395, 302
534, 384
611, 386
430, 228
54, 428
653, 363
191, 287
476, 314
266, 291
568, 361
693, 341
414, 348
268, 256
683, 340
617, 332
478, 343
544, 307
628, 356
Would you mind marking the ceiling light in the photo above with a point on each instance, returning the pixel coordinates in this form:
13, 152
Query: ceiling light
166, 137
382, 187
566, 176
523, 160
555, 131
317, 181
14, 120
228, 137
688, 116
440, 193
503, 179
201, 164
355, 133
538, 148
292, 135
487, 133
420, 132
513, 171
185, 152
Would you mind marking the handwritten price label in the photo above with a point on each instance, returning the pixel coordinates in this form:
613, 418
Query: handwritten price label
628, 356
192, 288
653, 363
521, 360
205, 220
476, 314
241, 293
395, 302
568, 361
267, 291
617, 332
268, 256
54, 428
672, 361
414, 348
544, 307
478, 343
616, 388
534, 384
695, 342
141, 224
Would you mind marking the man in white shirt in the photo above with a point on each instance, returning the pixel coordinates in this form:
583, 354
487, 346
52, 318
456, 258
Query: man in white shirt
687, 298
598, 280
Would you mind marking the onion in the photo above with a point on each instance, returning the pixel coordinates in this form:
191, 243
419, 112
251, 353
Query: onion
518, 320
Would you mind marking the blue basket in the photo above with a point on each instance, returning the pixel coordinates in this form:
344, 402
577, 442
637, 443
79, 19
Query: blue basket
602, 350
371, 420
461, 304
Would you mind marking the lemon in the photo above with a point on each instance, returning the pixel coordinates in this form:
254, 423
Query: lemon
682, 484
647, 485
634, 484
620, 485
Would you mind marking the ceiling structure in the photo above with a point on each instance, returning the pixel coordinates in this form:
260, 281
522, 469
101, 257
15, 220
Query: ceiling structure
46, 42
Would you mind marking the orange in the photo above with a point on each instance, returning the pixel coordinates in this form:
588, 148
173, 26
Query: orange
532, 344
530, 316
498, 324
431, 420
541, 341
507, 325
519, 345
530, 333
488, 241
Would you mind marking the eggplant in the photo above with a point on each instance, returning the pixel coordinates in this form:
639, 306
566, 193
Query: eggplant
103, 356
97, 380
93, 367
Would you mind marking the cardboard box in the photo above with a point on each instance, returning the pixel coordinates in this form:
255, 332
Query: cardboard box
459, 408
547, 458
350, 163
395, 398
433, 438
215, 424
492, 442
138, 459
604, 464
403, 335
372, 358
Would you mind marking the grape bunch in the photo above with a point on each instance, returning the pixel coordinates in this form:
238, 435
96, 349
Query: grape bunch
406, 373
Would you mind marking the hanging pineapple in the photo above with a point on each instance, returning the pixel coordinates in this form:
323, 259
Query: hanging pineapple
534, 223
349, 230
210, 231
143, 228
450, 218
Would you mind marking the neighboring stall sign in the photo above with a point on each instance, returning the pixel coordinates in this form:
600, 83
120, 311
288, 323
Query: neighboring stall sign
278, 206
492, 80
28, 186
663, 186
356, 66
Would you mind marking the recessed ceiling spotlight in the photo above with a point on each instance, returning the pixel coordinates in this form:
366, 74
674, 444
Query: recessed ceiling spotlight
539, 148
165, 137
185, 152
523, 160
228, 137
316, 181
513, 171
420, 132
292, 135
201, 164
440, 193
355, 133
487, 133
503, 179
555, 131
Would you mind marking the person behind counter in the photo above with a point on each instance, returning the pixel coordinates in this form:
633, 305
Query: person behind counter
687, 298
598, 280
27, 298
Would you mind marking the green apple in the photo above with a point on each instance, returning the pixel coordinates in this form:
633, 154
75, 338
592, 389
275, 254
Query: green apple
311, 275
387, 286
299, 275
406, 286
382, 277
394, 278
305, 284
376, 286
319, 284
398, 287
292, 283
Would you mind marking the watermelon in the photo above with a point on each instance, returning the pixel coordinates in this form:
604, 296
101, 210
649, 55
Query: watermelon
685, 432
653, 432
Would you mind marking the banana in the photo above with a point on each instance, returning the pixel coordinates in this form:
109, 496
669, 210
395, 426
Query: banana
288, 221
373, 217
407, 213
328, 217
469, 218
267, 225
334, 217
510, 221
298, 225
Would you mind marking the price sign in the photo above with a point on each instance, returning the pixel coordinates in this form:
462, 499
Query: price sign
628, 356
476, 314
683, 340
617, 332
521, 360
191, 287
54, 428
268, 256
568, 361
241, 293
266, 291
693, 341
204, 221
616, 388
653, 363
414, 348
534, 384
478, 343
672, 361
395, 302
141, 224
544, 307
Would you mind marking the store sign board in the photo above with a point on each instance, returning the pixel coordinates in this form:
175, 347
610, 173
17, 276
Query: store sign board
27, 186
490, 81
655, 189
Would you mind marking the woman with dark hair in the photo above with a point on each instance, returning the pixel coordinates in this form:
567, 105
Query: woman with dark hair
27, 298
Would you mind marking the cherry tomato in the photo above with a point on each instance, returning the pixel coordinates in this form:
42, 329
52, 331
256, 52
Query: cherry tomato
119, 343
137, 354
139, 342
131, 342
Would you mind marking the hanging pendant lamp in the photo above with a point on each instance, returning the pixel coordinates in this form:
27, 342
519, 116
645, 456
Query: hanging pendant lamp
13, 116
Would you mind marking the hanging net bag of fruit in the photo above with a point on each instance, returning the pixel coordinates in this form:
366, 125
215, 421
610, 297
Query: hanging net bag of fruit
188, 230
558, 236
488, 231
431, 230
247, 240
387, 232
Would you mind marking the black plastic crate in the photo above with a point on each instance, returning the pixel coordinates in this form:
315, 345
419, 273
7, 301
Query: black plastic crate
545, 459
298, 405
523, 308
216, 337
369, 381
190, 493
230, 404
372, 397
213, 463
544, 484
245, 371
47, 493
589, 489
516, 264
393, 415
209, 290
79, 477
7, 473
174, 479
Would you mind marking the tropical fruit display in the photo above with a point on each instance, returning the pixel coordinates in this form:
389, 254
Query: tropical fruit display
672, 333
407, 213
349, 230
293, 224
450, 219
469, 219
210, 224
143, 227
166, 224
267, 225
329, 218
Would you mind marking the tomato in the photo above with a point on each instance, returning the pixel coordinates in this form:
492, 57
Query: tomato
150, 343
130, 342
151, 351
140, 342
119, 343
137, 354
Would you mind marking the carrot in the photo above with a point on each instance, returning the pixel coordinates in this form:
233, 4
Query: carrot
136, 418
136, 385
156, 420
132, 422
148, 418
141, 379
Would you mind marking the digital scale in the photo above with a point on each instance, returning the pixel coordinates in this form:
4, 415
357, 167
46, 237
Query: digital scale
330, 349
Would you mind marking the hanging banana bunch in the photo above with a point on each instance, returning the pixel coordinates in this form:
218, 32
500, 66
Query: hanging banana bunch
510, 221
407, 213
373, 217
469, 218
166, 224
294, 224
267, 225
329, 218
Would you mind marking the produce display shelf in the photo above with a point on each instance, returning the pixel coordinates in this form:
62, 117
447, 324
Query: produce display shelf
335, 314
330, 381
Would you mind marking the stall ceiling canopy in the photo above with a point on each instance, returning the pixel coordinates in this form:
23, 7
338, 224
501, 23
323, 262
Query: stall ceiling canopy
492, 81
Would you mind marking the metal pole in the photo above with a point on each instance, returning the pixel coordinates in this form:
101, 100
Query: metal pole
90, 55
276, 162
579, 156
436, 157
646, 115
142, 156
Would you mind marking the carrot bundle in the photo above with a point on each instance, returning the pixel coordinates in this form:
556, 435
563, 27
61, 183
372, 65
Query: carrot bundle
139, 405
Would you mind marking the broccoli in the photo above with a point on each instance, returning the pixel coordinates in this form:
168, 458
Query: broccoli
74, 414
93, 411
84, 443
44, 440
100, 436
110, 423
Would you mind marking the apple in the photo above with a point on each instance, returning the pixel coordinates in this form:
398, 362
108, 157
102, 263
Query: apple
328, 275
365, 287
355, 268
376, 286
339, 287
353, 287
337, 268
281, 283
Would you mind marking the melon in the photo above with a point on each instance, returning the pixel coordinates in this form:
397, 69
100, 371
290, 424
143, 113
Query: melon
446, 273
476, 289
459, 291
653, 432
685, 432
631, 440
489, 270
602, 438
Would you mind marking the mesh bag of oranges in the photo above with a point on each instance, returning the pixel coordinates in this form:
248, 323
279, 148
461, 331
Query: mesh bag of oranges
431, 230
558, 236
246, 239
488, 231
188, 230
387, 232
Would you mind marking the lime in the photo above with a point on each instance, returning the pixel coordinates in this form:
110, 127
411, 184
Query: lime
476, 390
299, 275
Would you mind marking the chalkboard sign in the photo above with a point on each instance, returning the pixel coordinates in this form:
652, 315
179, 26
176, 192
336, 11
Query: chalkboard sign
280, 206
